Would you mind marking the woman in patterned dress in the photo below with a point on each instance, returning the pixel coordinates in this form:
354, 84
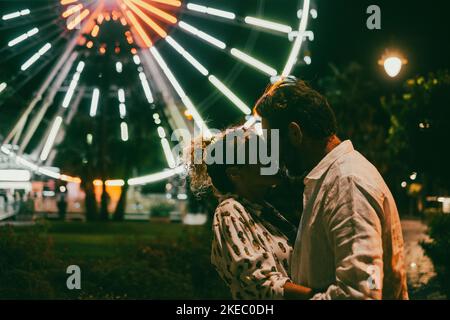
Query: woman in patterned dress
251, 244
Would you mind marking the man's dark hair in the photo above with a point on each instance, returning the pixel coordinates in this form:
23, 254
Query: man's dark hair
292, 100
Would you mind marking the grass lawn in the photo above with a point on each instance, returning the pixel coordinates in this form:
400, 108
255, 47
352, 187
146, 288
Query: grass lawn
117, 260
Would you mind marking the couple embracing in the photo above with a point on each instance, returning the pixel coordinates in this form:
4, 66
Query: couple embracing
348, 244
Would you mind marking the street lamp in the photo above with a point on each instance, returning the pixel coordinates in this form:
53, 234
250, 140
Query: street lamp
392, 63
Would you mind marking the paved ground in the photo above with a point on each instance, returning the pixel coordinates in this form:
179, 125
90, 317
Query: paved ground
419, 268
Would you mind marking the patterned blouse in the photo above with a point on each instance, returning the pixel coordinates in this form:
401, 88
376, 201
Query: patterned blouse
250, 254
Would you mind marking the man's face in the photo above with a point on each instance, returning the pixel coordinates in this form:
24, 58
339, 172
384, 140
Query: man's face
288, 154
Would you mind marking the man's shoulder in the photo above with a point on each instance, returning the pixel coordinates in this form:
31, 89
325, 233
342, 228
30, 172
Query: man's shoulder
353, 168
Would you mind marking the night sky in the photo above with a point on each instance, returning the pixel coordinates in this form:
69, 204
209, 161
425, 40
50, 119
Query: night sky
419, 29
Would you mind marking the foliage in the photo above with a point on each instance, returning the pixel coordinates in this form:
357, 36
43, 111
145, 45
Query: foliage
355, 99
117, 260
26, 264
438, 249
162, 209
419, 133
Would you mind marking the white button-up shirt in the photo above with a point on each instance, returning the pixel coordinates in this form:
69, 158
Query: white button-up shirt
349, 244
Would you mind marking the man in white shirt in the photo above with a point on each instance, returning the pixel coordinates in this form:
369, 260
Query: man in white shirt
349, 244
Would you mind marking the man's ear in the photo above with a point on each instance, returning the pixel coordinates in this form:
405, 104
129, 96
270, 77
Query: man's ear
295, 134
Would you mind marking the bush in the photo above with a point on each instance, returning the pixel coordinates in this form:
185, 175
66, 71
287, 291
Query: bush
161, 209
27, 265
438, 249
172, 264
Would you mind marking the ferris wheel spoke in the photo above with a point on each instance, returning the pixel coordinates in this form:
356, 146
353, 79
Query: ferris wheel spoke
229, 17
161, 14
202, 35
229, 94
66, 2
298, 41
187, 56
267, 25
210, 11
213, 79
135, 25
16, 14
36, 56
253, 62
236, 53
149, 21
172, 3
181, 93
32, 44
23, 37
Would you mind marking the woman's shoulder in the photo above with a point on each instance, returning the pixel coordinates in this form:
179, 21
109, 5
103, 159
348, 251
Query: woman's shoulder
231, 207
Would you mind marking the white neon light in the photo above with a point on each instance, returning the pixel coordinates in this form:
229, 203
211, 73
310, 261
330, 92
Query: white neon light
121, 95
229, 94
124, 131
5, 150
197, 65
94, 102
187, 102
202, 35
15, 175
156, 176
73, 85
16, 14
298, 41
122, 110
115, 183
49, 173
253, 62
146, 87
211, 11
307, 59
23, 37
51, 138
24, 162
136, 59
3, 86
80, 66
268, 24
161, 132
119, 67
168, 153
36, 56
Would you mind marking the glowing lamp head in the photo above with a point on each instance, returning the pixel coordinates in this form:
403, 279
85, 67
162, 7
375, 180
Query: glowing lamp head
392, 66
392, 63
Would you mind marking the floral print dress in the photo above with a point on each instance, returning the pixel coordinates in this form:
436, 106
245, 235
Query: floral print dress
251, 255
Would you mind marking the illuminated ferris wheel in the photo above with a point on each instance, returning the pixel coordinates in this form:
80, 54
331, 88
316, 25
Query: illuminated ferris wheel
198, 58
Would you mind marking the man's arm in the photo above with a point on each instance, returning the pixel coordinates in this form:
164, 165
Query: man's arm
355, 234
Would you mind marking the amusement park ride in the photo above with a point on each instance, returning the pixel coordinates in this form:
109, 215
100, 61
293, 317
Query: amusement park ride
187, 56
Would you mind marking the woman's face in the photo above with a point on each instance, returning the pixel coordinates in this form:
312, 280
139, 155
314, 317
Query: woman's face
249, 182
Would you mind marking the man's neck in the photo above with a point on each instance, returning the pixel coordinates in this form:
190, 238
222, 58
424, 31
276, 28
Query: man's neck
322, 151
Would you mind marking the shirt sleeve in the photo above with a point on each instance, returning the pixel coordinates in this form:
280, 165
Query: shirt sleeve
241, 259
354, 231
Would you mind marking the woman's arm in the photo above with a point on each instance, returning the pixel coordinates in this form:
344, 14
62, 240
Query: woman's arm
238, 254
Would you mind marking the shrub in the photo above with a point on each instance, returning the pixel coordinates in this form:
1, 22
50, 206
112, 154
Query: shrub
438, 249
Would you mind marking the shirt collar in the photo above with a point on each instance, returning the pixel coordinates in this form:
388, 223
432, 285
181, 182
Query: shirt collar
318, 171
